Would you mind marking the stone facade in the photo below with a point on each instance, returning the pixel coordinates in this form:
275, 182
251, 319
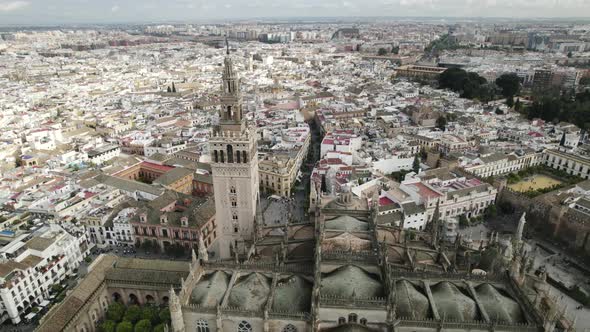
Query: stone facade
235, 169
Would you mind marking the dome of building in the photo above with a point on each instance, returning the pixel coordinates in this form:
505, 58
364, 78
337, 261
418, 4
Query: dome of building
411, 302
292, 294
350, 281
250, 292
498, 306
346, 223
452, 304
210, 289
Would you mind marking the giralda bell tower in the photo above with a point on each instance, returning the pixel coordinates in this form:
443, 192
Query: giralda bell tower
234, 163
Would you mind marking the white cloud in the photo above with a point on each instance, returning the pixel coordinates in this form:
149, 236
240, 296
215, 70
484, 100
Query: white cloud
8, 6
115, 8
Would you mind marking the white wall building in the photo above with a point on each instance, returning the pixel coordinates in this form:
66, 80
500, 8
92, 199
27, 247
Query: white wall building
31, 264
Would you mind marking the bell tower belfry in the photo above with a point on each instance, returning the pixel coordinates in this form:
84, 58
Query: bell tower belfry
234, 164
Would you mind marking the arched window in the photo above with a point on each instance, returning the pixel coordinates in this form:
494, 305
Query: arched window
230, 154
221, 156
232, 189
238, 154
202, 326
363, 321
341, 320
244, 326
352, 318
244, 157
289, 328
216, 156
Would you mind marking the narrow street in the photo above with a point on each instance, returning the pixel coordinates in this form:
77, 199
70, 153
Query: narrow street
278, 211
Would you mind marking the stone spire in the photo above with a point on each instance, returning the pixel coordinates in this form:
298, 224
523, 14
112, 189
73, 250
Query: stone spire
175, 312
203, 254
520, 229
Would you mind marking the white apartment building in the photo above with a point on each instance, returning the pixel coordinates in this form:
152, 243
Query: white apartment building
500, 163
123, 232
105, 153
31, 264
165, 148
570, 163
44, 138
342, 141
456, 195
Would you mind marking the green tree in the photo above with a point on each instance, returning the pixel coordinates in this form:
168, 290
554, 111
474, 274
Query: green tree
108, 326
173, 88
463, 222
491, 211
150, 313
498, 111
125, 327
569, 54
416, 164
146, 245
441, 123
469, 85
143, 325
518, 105
169, 90
164, 316
509, 83
115, 312
159, 328
133, 314
382, 52
510, 101
395, 50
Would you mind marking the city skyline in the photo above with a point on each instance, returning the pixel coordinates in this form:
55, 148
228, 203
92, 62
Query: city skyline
35, 12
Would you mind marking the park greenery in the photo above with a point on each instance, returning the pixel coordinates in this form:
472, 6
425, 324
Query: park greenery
445, 42
509, 85
468, 84
134, 318
565, 178
568, 107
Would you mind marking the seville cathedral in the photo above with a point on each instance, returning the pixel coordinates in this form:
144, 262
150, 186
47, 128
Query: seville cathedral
340, 270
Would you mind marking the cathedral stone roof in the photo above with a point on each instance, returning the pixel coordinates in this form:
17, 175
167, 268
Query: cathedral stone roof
349, 328
498, 306
346, 242
452, 303
346, 223
411, 301
292, 294
350, 281
250, 292
210, 289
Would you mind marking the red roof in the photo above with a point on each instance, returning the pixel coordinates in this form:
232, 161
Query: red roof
424, 191
156, 166
383, 201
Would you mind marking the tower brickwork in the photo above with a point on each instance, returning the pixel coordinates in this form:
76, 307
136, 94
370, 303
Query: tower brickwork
234, 163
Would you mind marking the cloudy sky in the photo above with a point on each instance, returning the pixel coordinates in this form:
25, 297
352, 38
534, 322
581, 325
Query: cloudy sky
103, 11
